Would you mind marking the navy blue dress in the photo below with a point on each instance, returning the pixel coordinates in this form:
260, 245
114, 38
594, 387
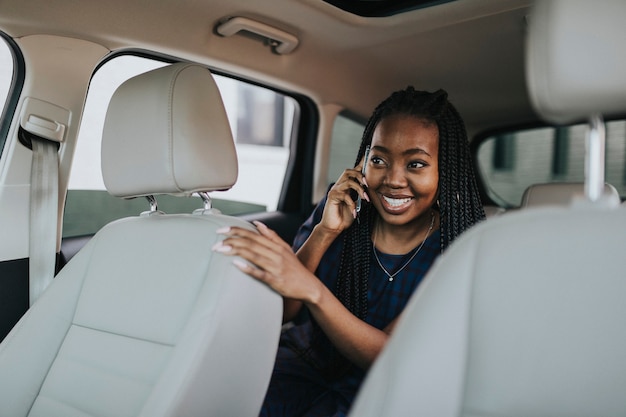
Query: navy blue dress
299, 385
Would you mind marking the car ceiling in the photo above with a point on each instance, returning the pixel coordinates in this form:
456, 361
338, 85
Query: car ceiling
474, 49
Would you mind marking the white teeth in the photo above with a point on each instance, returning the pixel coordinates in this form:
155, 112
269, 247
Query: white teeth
396, 201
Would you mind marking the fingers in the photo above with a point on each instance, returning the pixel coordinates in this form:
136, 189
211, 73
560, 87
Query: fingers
359, 167
265, 236
339, 197
270, 234
340, 193
353, 179
257, 263
249, 269
267, 258
261, 238
264, 257
266, 231
248, 245
265, 250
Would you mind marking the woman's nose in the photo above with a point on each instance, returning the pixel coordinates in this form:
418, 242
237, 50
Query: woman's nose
396, 176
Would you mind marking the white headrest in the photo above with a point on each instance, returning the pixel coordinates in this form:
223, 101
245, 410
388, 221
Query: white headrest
575, 59
561, 194
166, 132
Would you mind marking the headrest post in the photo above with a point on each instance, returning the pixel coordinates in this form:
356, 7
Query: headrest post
153, 203
594, 158
206, 199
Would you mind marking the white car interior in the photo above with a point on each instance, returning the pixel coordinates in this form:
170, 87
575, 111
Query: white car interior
167, 328
522, 316
483, 335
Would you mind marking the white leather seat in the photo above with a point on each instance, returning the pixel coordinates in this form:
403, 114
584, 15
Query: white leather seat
493, 211
558, 193
146, 320
523, 315
502, 326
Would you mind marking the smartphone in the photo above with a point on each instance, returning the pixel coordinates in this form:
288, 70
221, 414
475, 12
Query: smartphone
365, 159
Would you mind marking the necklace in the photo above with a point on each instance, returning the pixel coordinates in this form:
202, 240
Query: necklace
392, 276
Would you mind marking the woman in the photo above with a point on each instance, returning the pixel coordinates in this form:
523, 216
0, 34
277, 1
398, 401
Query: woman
354, 271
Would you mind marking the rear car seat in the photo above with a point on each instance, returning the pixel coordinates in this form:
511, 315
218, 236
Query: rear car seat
554, 193
493, 211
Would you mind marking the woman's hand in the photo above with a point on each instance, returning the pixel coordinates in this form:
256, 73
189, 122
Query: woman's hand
274, 262
340, 209
276, 265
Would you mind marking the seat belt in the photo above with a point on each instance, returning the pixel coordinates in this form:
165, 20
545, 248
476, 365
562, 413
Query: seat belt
44, 203
43, 135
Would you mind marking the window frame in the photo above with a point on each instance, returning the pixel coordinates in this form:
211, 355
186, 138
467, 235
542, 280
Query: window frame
14, 91
351, 117
490, 198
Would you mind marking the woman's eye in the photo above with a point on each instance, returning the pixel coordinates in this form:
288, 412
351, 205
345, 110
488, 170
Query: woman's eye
417, 164
376, 160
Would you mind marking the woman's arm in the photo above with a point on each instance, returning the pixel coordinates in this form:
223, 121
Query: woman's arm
280, 268
316, 245
333, 215
339, 212
309, 254
355, 339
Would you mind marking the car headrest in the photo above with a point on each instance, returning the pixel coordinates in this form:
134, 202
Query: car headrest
575, 59
562, 194
166, 132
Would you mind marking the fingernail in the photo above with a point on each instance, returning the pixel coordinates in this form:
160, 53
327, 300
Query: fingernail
365, 182
366, 197
354, 213
259, 224
223, 230
240, 264
221, 248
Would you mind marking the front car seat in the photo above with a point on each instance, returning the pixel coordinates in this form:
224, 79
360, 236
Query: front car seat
523, 315
145, 320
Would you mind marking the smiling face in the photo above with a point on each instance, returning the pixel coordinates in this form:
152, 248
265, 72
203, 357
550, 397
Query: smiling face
402, 172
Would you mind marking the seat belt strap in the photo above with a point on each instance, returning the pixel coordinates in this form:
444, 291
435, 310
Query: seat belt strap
44, 205
42, 129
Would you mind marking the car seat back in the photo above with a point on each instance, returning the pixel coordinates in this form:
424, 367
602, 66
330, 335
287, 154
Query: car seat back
146, 320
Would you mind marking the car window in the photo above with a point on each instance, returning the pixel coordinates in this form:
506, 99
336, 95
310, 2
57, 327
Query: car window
6, 77
261, 121
510, 162
344, 145
6, 70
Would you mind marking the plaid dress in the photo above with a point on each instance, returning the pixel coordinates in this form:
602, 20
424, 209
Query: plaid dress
300, 386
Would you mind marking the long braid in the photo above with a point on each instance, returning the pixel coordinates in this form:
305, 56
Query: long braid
352, 282
459, 202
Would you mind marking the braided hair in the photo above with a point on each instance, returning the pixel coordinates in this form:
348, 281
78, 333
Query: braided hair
459, 202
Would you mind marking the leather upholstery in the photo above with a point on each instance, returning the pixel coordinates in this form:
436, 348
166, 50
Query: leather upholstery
558, 193
520, 317
166, 137
572, 62
146, 320
493, 211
